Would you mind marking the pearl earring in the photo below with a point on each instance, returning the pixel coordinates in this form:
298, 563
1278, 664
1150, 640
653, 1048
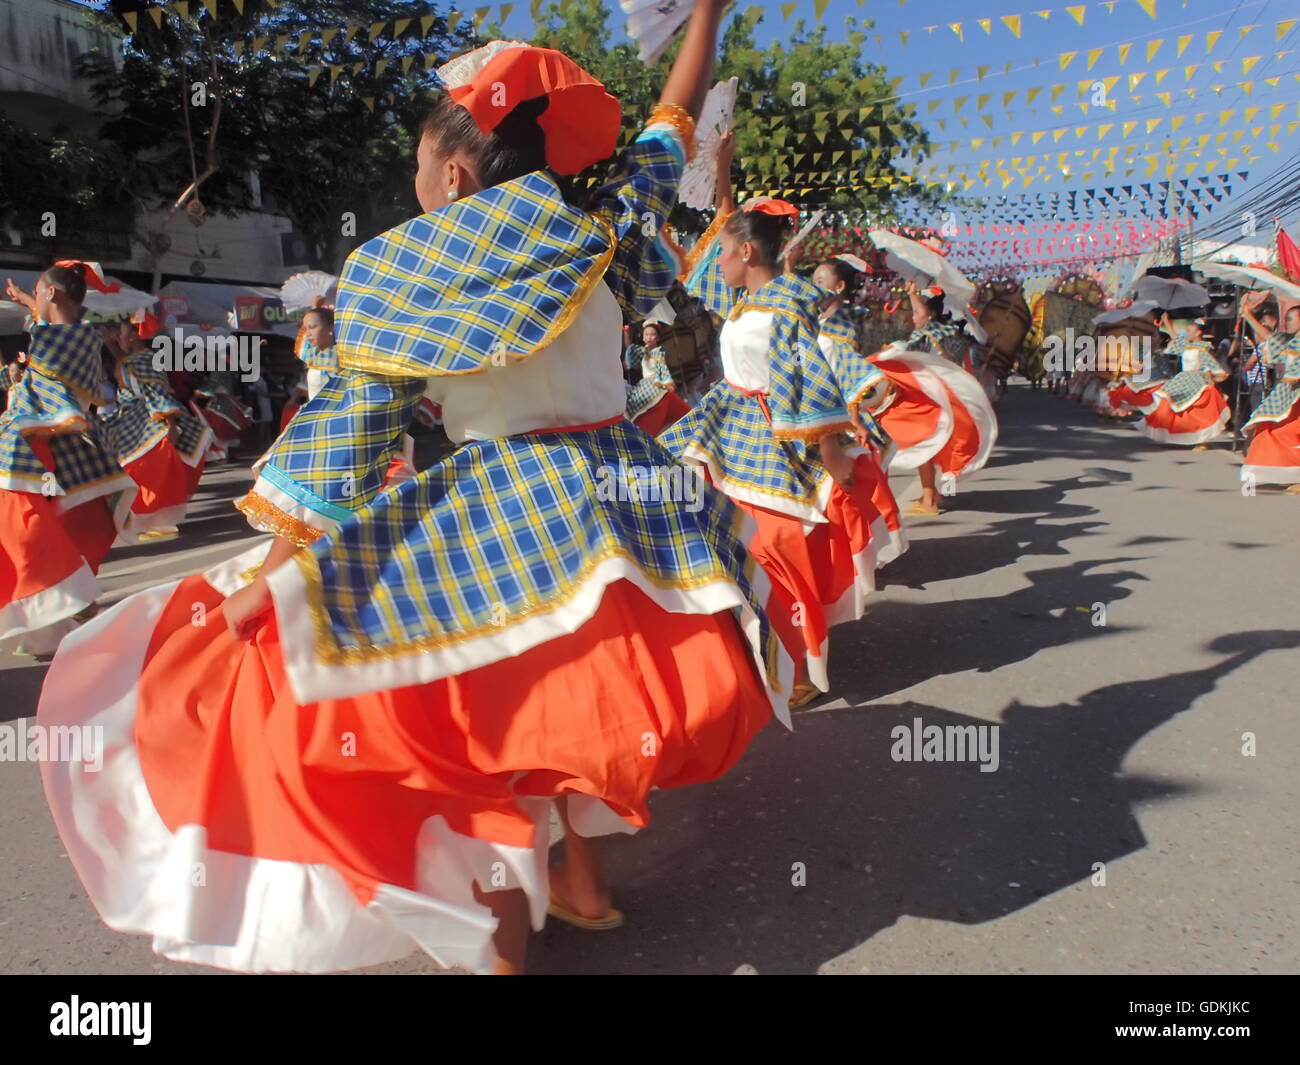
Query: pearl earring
453, 194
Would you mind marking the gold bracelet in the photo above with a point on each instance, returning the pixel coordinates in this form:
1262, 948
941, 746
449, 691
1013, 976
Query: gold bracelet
680, 119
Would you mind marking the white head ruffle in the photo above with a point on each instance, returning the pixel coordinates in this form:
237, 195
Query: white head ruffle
459, 72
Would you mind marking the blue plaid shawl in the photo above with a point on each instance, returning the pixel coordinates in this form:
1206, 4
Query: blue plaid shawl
704, 280
315, 358
69, 354
803, 395
500, 274
940, 338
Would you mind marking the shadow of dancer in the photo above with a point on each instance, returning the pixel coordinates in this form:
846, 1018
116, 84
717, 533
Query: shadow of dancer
880, 839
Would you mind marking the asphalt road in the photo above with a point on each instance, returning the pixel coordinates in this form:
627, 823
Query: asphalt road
1120, 749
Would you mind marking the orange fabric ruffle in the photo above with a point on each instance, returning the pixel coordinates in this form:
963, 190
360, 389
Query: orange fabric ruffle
637, 698
670, 409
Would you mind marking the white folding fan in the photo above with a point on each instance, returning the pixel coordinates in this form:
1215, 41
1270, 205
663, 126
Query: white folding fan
300, 290
700, 178
652, 23
808, 227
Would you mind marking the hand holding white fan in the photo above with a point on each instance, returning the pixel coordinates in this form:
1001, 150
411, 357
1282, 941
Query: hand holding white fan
700, 178
652, 24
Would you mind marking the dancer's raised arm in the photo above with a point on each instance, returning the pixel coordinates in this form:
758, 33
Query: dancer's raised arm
692, 74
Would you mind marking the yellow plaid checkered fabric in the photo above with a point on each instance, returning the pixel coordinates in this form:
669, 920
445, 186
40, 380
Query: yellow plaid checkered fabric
500, 274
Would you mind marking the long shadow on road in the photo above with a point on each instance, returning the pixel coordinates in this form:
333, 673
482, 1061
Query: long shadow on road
880, 839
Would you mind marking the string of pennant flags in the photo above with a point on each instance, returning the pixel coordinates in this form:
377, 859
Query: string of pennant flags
420, 26
802, 156
1012, 24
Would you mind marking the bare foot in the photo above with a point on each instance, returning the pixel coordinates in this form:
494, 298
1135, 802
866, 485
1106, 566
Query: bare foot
585, 899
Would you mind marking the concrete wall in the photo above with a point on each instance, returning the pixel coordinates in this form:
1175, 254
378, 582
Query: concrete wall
244, 247
40, 41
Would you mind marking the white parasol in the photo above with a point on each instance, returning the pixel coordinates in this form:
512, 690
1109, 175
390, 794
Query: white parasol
1250, 277
652, 24
915, 262
1122, 314
700, 178
1169, 293
298, 293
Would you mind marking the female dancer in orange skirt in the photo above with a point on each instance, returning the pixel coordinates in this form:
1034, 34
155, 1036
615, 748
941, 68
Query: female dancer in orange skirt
156, 440
838, 338
937, 414
1188, 409
769, 435
1273, 456
424, 669
653, 403
58, 487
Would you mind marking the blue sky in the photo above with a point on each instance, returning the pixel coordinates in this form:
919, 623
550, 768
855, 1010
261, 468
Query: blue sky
976, 67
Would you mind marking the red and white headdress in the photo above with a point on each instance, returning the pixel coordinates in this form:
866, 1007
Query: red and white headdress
581, 119
93, 274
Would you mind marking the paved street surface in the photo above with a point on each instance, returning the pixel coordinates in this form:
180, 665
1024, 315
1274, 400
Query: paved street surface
1120, 749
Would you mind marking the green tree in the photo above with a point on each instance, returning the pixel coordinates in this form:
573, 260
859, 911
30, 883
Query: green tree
56, 203
822, 126
197, 106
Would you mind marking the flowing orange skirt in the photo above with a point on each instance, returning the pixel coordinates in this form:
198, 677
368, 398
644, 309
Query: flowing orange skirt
821, 577
637, 698
1273, 456
164, 478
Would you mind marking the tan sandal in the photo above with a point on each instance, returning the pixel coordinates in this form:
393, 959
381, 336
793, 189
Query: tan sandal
559, 909
917, 510
803, 695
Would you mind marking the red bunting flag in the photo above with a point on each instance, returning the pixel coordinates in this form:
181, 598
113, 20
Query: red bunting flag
1288, 255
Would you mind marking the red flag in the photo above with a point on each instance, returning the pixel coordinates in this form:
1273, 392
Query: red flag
1288, 255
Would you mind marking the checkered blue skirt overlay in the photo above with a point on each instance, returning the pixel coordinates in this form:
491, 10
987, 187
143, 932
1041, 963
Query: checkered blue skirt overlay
1281, 350
504, 527
803, 399
81, 459
642, 396
1187, 386
705, 281
496, 276
137, 425
500, 528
